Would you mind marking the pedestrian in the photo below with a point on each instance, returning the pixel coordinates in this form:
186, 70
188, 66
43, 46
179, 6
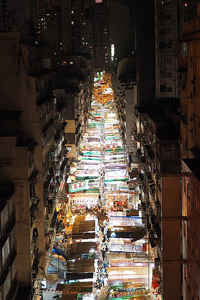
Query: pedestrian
103, 253
102, 281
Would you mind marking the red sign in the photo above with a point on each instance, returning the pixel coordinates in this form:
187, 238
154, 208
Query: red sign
156, 279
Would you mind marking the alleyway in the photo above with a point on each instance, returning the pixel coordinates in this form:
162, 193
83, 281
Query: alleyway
98, 190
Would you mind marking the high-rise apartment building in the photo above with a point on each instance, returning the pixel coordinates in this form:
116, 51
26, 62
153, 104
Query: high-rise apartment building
119, 24
8, 241
166, 48
32, 151
3, 15
101, 37
190, 148
46, 17
156, 133
145, 56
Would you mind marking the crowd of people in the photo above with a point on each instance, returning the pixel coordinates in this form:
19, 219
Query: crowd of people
104, 234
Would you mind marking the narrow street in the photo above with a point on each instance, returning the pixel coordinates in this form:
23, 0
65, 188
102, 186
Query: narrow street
101, 249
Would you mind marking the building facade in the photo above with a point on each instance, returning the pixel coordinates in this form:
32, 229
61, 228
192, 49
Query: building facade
34, 150
166, 48
157, 149
190, 145
8, 241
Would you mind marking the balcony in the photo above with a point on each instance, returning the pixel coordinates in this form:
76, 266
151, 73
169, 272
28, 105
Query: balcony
47, 126
150, 152
47, 182
34, 210
35, 266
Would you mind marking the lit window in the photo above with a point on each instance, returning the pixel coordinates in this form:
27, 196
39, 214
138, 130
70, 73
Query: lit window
71, 62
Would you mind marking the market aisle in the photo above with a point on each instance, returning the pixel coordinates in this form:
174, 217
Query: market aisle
98, 186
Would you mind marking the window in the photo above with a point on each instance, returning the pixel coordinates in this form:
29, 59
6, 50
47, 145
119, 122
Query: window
161, 15
162, 45
197, 204
162, 30
197, 254
168, 45
31, 158
168, 30
188, 189
191, 244
169, 74
31, 190
162, 59
162, 88
192, 197
168, 16
188, 236
184, 49
168, 1
184, 184
168, 154
169, 89
162, 73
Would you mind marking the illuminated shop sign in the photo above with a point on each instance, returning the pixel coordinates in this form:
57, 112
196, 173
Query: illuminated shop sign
112, 51
78, 186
